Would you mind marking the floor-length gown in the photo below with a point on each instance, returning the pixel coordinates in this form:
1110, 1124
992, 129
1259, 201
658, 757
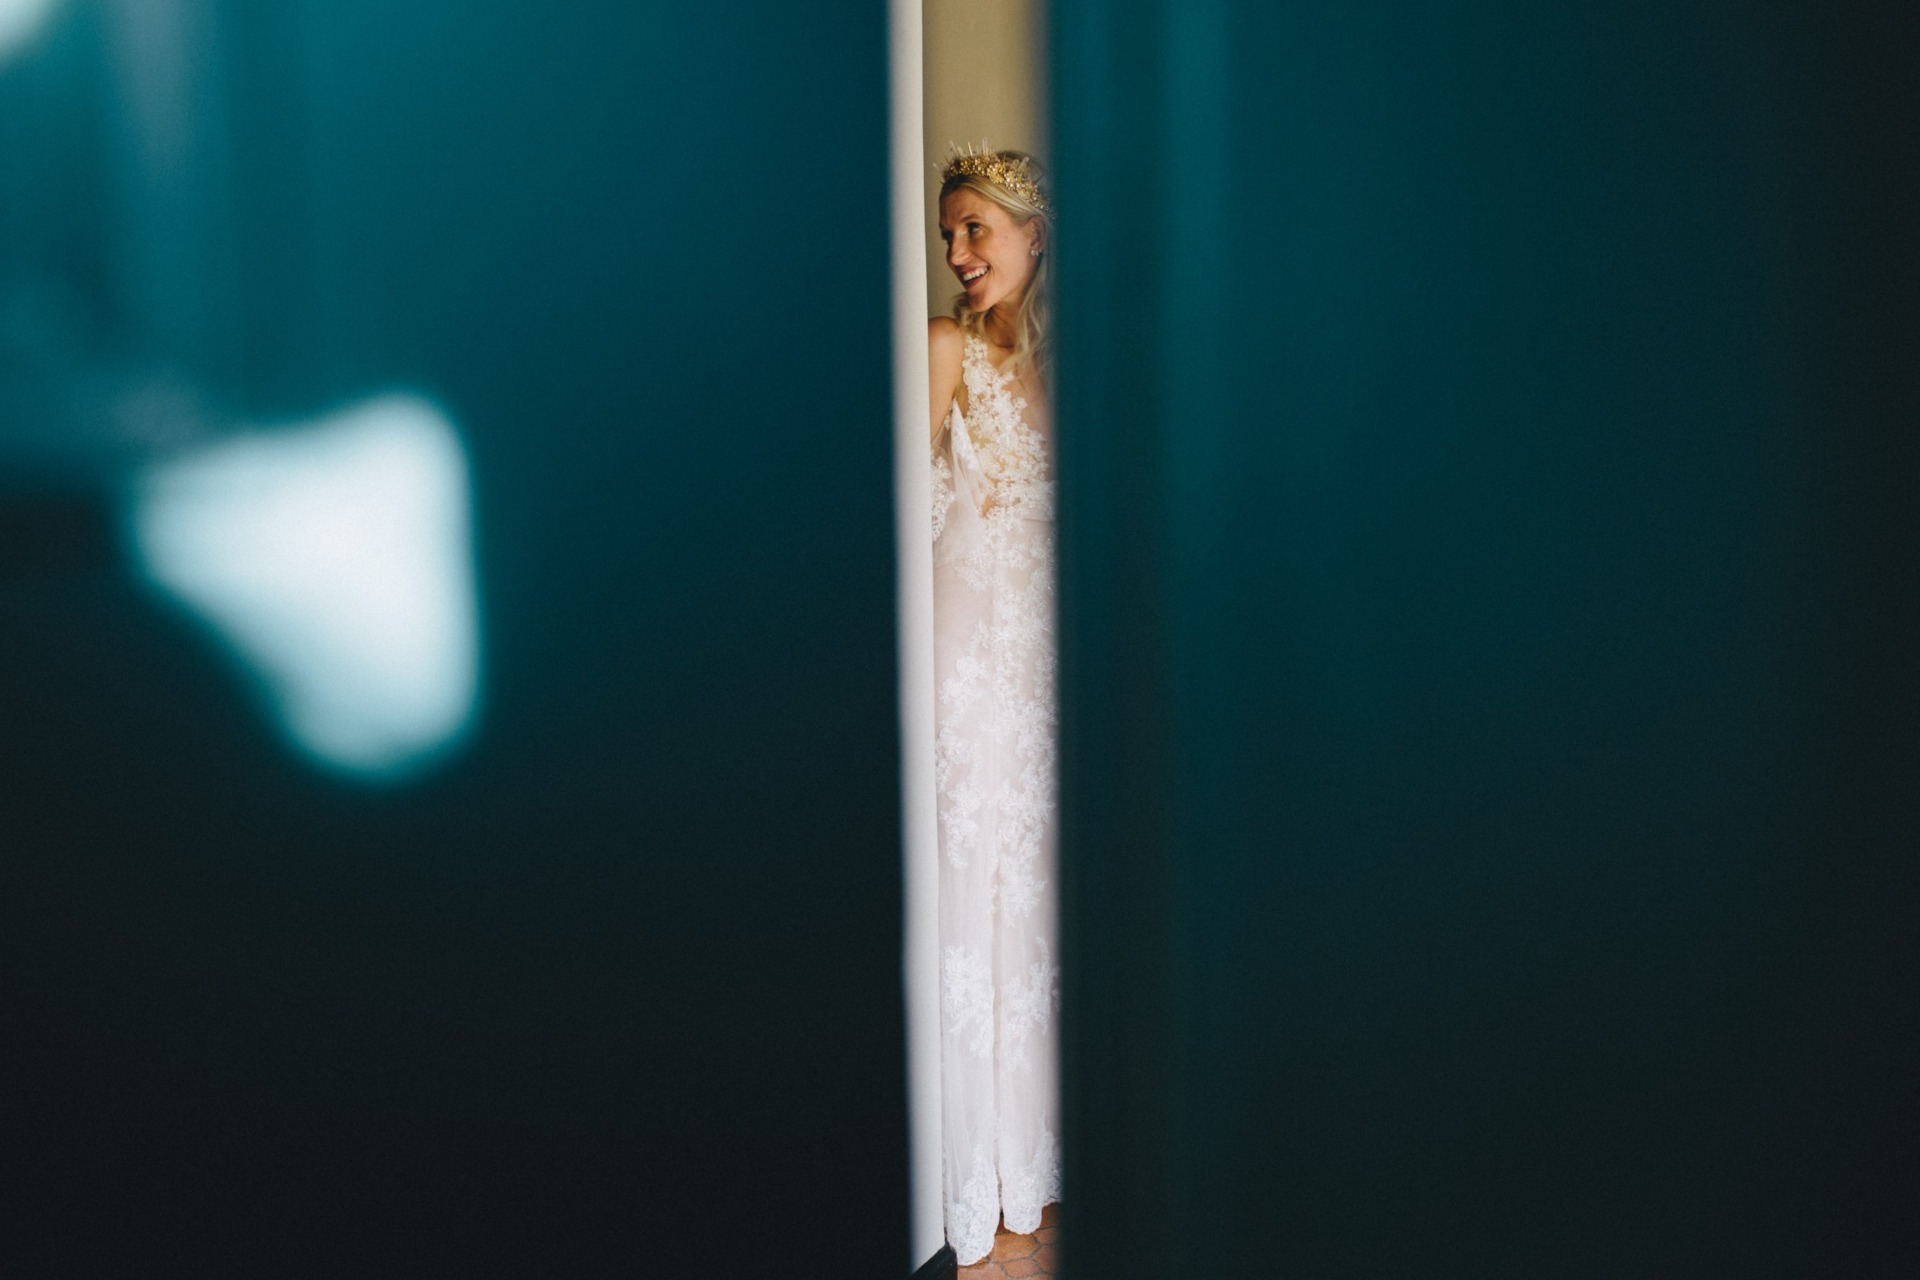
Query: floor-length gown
995, 770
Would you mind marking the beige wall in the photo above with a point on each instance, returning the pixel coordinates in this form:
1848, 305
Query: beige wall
985, 60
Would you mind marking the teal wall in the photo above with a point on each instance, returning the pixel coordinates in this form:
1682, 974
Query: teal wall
617, 989
1487, 613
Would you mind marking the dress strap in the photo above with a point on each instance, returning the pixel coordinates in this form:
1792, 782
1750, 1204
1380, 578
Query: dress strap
976, 369
977, 358
974, 350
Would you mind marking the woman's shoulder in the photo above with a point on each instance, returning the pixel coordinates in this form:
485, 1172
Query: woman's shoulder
946, 358
944, 334
946, 346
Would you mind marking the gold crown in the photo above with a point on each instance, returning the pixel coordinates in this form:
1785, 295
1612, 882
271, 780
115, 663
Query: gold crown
1017, 174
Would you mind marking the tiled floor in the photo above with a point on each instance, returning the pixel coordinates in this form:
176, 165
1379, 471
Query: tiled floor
1034, 1257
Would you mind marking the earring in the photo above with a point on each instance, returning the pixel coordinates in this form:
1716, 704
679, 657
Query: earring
1033, 253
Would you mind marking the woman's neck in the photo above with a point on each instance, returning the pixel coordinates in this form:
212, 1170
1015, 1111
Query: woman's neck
999, 326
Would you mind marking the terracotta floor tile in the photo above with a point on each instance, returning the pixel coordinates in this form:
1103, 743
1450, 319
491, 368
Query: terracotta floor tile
1017, 1257
1007, 1245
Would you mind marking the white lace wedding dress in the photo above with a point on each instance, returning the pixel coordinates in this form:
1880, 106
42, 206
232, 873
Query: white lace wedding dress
994, 769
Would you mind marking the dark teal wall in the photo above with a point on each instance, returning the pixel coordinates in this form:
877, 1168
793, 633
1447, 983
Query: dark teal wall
617, 991
1488, 624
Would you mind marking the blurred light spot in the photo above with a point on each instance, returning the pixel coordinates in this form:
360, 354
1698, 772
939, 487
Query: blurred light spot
19, 19
336, 558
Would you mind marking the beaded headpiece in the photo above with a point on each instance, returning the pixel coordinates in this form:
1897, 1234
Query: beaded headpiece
1016, 174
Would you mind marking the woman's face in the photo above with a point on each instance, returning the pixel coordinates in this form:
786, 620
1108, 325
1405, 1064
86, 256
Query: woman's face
990, 253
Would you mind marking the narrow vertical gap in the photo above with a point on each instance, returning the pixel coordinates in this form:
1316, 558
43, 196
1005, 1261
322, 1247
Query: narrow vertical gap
980, 82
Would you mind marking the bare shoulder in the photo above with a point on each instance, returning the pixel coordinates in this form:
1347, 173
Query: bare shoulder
946, 341
945, 353
945, 337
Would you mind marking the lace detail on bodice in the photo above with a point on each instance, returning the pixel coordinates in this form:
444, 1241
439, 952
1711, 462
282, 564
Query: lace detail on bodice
1011, 457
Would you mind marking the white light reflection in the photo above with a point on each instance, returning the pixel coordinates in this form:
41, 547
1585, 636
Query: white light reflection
336, 558
19, 19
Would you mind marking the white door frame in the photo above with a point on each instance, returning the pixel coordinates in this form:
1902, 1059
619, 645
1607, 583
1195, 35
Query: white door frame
914, 553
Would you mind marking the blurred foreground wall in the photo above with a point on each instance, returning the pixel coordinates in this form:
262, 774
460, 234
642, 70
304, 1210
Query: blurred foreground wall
607, 975
1487, 441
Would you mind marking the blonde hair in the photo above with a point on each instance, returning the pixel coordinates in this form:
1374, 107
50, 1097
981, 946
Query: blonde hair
1032, 333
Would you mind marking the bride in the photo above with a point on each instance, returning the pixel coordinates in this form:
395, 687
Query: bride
994, 661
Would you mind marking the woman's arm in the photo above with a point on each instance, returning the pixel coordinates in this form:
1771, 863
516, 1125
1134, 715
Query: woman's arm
944, 346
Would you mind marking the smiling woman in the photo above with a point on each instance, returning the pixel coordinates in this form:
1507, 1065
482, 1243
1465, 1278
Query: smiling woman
974, 521
994, 751
993, 221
